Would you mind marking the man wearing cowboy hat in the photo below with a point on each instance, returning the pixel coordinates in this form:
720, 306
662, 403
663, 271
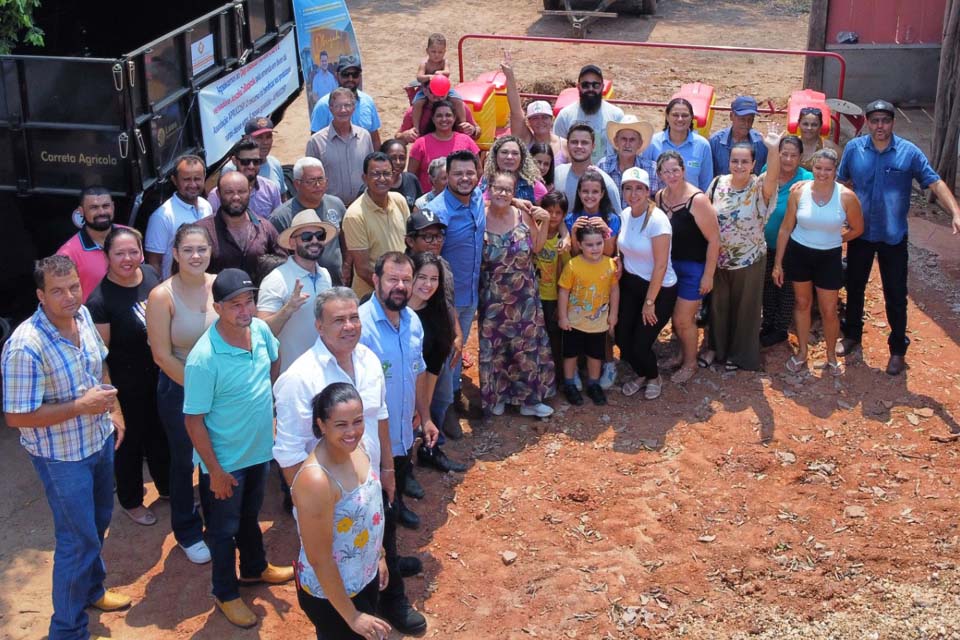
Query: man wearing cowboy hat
629, 138
288, 292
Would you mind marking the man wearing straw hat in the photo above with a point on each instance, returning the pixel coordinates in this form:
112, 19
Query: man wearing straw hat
288, 292
629, 138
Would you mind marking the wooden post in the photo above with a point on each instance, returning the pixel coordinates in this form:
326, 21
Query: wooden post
946, 117
816, 41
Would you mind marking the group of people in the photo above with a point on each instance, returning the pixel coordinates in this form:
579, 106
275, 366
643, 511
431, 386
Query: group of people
324, 329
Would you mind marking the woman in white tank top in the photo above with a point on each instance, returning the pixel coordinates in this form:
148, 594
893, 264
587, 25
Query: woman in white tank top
821, 216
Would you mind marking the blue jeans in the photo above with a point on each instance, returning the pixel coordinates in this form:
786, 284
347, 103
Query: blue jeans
233, 525
184, 518
80, 495
449, 379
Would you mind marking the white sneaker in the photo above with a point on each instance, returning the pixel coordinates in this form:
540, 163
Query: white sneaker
609, 375
498, 409
197, 553
577, 382
540, 410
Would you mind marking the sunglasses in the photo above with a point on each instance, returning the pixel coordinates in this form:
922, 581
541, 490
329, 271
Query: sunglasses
806, 111
588, 84
246, 162
307, 236
350, 74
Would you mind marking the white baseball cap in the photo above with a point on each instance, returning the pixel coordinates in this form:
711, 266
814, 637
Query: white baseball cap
635, 174
539, 108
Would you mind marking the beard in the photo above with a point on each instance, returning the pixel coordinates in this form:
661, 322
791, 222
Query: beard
391, 302
100, 223
309, 251
590, 102
234, 211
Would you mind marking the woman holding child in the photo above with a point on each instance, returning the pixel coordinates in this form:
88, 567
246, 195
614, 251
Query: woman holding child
439, 141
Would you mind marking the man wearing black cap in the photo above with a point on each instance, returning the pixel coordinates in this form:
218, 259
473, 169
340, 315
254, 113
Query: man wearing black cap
881, 168
261, 130
365, 115
591, 108
228, 410
743, 110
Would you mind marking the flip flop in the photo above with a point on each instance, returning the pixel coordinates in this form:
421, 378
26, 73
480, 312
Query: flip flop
833, 368
795, 365
705, 359
730, 366
683, 374
633, 387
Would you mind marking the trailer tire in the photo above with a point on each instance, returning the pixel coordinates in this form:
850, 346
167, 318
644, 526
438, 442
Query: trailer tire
635, 7
552, 5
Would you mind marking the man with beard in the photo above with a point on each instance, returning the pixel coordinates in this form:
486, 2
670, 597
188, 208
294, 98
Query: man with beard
591, 108
743, 110
375, 223
395, 335
239, 237
580, 147
228, 409
341, 147
288, 292
86, 247
264, 192
365, 115
186, 205
460, 207
310, 186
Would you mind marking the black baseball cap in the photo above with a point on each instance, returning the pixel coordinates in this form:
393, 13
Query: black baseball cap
256, 126
348, 61
590, 68
422, 219
881, 105
230, 283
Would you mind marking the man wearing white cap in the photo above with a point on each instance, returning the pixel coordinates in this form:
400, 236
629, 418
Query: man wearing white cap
538, 125
629, 138
288, 292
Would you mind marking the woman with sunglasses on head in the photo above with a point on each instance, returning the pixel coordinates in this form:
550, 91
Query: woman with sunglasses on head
821, 216
809, 129
679, 135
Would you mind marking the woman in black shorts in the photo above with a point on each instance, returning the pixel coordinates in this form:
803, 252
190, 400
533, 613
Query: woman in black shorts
821, 216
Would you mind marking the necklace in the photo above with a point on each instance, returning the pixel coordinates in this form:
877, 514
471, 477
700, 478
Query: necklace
820, 202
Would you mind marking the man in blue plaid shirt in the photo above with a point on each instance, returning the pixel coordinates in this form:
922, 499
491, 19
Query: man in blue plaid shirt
54, 392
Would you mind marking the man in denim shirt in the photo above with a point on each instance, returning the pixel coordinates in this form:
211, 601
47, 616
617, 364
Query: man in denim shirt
881, 168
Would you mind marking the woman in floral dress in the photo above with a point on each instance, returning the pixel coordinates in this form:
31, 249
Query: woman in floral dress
516, 366
743, 201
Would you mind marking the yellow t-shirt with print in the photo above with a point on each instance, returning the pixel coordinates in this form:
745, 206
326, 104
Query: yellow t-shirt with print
549, 262
589, 284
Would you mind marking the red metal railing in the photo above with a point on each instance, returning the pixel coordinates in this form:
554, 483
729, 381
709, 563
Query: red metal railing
667, 45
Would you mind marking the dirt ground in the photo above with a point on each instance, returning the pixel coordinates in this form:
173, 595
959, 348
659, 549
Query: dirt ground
739, 505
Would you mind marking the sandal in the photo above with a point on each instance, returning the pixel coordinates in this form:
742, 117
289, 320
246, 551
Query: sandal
731, 366
795, 365
467, 360
705, 359
633, 387
682, 375
654, 387
833, 368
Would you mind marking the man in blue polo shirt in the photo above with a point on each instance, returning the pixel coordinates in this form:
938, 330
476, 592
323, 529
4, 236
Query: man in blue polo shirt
228, 410
461, 208
881, 168
395, 335
742, 112
365, 115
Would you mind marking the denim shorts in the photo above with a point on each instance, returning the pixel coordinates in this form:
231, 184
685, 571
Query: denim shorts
689, 274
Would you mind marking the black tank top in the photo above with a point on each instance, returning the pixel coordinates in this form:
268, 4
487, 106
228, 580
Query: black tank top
688, 242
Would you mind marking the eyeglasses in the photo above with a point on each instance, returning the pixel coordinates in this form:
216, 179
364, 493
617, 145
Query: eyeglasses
313, 182
590, 84
381, 175
350, 74
307, 236
432, 238
502, 190
246, 162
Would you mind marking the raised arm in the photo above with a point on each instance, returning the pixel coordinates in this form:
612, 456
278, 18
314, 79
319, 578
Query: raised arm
518, 124
771, 177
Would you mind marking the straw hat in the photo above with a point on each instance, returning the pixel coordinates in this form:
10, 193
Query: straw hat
632, 123
306, 218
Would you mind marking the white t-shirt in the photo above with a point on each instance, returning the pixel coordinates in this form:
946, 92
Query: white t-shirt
164, 222
636, 244
300, 331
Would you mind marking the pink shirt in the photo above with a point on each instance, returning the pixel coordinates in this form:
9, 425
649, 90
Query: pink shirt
90, 259
427, 147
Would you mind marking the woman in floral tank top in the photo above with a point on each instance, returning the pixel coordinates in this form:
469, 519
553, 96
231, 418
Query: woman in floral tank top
338, 506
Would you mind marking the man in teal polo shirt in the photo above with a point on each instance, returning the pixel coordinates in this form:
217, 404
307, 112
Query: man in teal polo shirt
228, 409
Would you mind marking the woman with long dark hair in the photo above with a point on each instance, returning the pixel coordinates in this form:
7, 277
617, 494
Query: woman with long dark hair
439, 140
679, 135
542, 155
509, 154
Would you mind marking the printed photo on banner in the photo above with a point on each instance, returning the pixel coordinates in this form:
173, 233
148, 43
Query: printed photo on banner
324, 32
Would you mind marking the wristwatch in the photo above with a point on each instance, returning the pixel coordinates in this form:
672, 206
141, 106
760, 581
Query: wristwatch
648, 302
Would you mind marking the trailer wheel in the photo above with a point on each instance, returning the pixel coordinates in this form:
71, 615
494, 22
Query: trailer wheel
635, 7
552, 5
